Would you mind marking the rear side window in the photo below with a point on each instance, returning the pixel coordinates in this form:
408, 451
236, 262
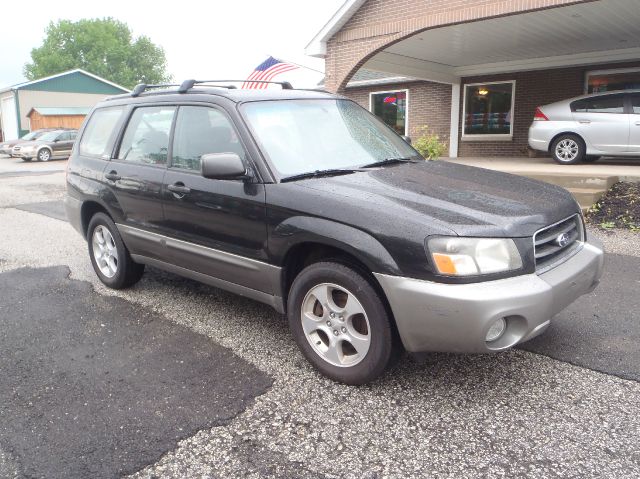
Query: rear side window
99, 133
146, 139
601, 104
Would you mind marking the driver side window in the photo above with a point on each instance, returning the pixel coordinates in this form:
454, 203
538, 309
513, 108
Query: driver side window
146, 139
201, 130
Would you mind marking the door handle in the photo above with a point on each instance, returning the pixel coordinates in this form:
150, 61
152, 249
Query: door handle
179, 188
637, 123
584, 122
112, 176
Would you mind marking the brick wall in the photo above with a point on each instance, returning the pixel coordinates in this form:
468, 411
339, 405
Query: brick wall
429, 104
379, 23
532, 89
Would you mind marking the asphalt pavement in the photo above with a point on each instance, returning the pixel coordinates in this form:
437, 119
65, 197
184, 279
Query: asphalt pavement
98, 387
564, 410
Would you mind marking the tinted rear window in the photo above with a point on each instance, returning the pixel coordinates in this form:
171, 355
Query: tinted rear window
99, 133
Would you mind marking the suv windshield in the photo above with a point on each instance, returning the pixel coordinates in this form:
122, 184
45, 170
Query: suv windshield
30, 136
301, 136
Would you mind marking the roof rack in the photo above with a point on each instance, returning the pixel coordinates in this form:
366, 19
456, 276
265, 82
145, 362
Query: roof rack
188, 84
142, 87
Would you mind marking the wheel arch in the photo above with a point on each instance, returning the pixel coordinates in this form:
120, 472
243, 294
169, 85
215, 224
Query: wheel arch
568, 132
307, 253
44, 147
88, 209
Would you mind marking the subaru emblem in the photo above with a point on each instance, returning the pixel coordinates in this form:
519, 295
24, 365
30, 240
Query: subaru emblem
562, 240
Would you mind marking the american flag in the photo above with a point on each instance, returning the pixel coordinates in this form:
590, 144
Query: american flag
265, 72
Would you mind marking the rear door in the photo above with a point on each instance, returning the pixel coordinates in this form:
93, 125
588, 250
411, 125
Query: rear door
220, 224
135, 174
634, 123
603, 123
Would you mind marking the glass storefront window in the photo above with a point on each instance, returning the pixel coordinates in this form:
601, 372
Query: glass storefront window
611, 80
391, 107
488, 109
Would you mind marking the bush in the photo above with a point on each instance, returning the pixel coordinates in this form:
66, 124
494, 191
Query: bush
428, 144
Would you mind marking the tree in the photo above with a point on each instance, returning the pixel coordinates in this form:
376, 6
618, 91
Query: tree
104, 47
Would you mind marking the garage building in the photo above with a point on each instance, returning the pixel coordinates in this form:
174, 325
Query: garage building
60, 100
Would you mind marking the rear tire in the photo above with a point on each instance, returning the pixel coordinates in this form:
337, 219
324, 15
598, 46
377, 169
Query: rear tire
109, 256
568, 149
340, 323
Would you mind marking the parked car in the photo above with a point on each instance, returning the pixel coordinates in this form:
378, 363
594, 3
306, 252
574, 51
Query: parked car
588, 127
7, 146
307, 202
53, 145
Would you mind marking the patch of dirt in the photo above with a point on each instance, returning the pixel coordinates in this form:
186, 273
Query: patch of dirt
618, 208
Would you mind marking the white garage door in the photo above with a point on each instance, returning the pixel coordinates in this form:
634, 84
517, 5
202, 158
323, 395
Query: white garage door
9, 120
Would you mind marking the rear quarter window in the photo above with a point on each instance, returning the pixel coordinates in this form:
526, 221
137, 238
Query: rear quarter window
100, 132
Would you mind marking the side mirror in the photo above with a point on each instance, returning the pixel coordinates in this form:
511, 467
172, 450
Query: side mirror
222, 166
406, 138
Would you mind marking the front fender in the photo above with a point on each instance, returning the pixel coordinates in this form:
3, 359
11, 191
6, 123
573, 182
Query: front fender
305, 229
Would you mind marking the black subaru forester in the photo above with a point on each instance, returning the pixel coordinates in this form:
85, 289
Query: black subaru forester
305, 201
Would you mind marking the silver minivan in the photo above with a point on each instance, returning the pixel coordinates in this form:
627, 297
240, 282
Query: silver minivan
588, 127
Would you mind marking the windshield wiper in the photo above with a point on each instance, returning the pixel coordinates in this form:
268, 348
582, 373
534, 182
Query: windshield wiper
388, 161
318, 173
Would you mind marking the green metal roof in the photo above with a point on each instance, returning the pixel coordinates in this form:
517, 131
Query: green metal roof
74, 81
52, 111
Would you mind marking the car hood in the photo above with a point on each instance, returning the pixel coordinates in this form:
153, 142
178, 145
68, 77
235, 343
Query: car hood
466, 200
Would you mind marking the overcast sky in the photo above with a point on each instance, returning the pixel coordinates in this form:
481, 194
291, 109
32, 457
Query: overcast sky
210, 39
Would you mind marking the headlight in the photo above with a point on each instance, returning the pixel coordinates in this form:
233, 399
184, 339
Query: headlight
454, 256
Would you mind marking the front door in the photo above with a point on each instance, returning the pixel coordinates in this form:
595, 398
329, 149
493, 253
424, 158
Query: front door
219, 224
634, 124
64, 143
603, 123
135, 176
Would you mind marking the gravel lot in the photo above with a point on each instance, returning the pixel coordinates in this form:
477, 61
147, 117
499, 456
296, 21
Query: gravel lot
515, 414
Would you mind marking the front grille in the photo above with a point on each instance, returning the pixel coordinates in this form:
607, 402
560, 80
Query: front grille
556, 243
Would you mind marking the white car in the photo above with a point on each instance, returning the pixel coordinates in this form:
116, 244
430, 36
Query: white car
588, 127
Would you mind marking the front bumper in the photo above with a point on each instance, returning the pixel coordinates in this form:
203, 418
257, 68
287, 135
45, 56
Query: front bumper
456, 317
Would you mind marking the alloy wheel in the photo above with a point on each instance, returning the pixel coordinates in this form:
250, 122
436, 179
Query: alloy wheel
567, 150
105, 251
335, 325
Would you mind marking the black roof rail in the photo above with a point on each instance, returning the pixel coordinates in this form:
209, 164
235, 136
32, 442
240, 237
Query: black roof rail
142, 87
188, 84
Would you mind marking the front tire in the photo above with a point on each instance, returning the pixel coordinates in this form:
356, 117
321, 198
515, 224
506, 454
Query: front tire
109, 256
568, 149
340, 323
44, 154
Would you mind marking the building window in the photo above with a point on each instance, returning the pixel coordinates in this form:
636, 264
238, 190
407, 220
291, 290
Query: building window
488, 110
611, 80
391, 107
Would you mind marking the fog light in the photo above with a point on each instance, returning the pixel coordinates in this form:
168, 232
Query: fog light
496, 330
